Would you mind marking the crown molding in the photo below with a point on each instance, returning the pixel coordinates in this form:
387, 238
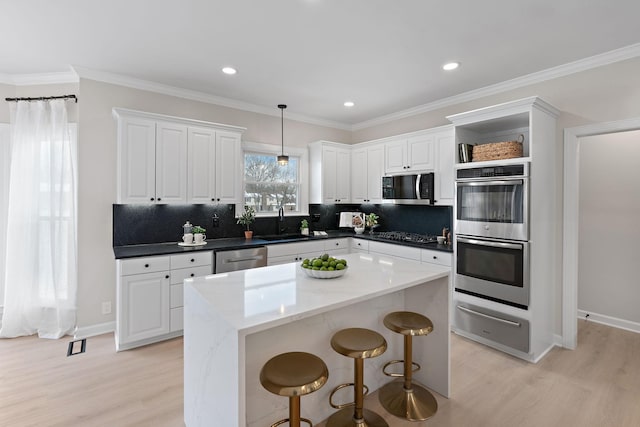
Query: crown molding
585, 64
193, 95
45, 78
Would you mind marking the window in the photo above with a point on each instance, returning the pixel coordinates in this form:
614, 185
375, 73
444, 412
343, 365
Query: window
268, 185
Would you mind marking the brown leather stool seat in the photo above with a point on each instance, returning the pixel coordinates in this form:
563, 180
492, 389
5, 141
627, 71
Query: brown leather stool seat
403, 398
359, 344
294, 374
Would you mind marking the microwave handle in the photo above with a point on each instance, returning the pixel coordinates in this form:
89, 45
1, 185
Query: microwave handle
418, 186
492, 244
490, 183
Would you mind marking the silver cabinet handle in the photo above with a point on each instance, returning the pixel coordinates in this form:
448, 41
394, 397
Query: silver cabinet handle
487, 316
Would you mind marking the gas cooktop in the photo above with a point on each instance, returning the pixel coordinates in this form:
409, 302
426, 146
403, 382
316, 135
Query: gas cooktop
404, 236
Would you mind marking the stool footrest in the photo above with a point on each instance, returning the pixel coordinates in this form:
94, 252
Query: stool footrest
340, 387
286, 420
416, 368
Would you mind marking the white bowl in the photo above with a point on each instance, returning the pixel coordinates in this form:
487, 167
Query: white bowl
322, 274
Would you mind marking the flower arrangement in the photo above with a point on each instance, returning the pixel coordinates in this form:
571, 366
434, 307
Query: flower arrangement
371, 220
198, 230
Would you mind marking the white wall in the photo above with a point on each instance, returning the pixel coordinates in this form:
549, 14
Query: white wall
4, 195
609, 225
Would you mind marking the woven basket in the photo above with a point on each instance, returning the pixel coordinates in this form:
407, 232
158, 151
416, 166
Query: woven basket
497, 151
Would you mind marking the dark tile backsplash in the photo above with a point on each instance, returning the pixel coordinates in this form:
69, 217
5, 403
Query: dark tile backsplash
412, 218
140, 224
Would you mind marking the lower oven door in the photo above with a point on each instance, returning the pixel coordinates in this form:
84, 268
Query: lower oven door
493, 269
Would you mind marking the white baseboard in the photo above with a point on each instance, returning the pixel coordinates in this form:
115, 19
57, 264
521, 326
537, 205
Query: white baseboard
90, 331
609, 321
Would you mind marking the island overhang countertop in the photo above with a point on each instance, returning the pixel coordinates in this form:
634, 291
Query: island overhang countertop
234, 322
261, 298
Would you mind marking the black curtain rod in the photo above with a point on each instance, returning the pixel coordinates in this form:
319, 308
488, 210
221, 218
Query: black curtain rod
43, 98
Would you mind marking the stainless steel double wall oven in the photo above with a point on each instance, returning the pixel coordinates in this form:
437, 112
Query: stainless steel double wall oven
492, 233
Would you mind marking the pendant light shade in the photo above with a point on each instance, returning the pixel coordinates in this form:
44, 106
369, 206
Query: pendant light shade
282, 159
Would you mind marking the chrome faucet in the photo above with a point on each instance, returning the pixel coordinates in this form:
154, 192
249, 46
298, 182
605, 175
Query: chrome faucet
281, 227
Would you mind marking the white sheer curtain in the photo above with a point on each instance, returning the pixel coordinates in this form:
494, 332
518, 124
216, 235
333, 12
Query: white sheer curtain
41, 258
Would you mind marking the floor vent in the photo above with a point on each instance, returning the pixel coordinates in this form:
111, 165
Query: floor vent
77, 347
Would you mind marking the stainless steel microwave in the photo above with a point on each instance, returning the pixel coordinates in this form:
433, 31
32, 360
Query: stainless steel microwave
408, 189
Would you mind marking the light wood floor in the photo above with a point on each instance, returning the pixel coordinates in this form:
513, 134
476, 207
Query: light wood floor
596, 385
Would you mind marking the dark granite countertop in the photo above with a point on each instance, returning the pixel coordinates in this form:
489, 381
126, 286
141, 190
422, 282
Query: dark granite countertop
134, 251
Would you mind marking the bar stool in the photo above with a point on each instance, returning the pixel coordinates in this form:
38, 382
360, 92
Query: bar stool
403, 398
358, 344
293, 375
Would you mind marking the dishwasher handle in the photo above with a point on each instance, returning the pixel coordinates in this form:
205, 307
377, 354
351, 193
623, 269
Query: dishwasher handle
253, 258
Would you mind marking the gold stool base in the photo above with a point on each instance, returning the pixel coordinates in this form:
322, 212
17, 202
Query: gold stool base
417, 404
344, 418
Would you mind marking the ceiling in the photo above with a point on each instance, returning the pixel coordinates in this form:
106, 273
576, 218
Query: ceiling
384, 55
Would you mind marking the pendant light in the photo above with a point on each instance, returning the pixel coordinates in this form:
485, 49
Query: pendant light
282, 159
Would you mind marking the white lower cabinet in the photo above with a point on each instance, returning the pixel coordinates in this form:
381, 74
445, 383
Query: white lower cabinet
294, 252
150, 296
396, 251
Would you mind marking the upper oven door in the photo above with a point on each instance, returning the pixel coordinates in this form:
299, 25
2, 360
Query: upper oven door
496, 208
497, 270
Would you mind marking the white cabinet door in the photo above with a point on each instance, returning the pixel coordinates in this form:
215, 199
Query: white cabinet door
420, 153
136, 161
367, 169
359, 176
329, 172
144, 306
375, 171
171, 163
228, 167
343, 176
444, 176
201, 179
395, 156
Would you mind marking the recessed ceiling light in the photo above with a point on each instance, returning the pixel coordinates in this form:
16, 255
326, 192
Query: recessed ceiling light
450, 66
349, 104
229, 70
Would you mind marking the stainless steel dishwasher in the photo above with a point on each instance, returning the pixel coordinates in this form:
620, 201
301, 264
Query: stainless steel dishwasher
240, 259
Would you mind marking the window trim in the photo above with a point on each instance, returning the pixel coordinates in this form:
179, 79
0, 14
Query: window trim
303, 177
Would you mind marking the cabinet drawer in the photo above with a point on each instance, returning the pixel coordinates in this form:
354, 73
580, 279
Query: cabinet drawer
295, 248
436, 257
494, 326
192, 259
395, 250
143, 265
177, 276
335, 244
176, 321
360, 245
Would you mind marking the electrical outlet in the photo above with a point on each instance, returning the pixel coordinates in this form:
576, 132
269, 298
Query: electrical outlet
215, 221
106, 307
315, 217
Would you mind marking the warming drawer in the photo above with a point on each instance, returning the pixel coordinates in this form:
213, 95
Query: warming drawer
492, 325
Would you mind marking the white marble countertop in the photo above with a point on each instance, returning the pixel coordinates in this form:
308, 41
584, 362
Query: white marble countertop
254, 300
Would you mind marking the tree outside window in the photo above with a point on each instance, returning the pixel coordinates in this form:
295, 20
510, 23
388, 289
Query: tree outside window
269, 185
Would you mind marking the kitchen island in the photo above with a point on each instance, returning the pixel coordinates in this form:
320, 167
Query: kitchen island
235, 322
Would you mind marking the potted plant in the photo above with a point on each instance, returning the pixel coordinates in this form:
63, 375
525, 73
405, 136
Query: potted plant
304, 227
246, 218
198, 234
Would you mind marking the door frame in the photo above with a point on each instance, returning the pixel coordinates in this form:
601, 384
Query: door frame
571, 207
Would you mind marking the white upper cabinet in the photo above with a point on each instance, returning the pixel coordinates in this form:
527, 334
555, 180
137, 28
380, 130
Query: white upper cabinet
330, 171
444, 185
367, 169
136, 160
171, 163
163, 159
410, 154
213, 166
